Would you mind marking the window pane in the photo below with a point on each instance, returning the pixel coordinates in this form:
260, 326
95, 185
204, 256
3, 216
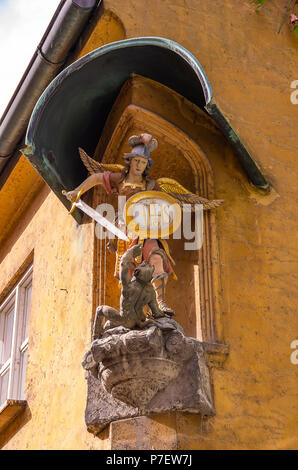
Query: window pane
4, 386
23, 374
8, 326
25, 329
14, 356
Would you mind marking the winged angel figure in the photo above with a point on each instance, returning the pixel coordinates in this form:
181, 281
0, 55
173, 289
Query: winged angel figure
129, 179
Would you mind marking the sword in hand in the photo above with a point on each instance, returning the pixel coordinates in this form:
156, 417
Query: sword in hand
77, 202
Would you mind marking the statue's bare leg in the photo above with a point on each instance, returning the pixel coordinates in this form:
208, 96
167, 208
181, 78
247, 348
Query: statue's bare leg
105, 312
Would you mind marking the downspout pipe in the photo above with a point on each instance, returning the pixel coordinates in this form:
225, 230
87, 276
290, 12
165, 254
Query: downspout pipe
63, 31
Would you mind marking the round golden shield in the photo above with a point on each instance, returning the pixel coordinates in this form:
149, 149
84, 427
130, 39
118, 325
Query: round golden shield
152, 214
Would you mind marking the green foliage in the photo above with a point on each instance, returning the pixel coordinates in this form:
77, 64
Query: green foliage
288, 13
259, 3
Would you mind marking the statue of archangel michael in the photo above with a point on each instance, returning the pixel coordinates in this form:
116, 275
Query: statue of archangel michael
129, 179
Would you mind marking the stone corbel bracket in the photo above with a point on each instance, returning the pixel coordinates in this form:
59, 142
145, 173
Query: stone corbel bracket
143, 372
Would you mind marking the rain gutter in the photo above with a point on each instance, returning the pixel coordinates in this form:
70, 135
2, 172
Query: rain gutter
60, 36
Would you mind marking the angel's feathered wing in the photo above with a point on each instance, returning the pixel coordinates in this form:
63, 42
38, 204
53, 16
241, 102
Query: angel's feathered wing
94, 167
183, 196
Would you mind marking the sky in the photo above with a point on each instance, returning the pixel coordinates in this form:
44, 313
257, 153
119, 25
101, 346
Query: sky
22, 24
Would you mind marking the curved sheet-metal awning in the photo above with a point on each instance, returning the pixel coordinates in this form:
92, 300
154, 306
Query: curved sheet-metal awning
72, 111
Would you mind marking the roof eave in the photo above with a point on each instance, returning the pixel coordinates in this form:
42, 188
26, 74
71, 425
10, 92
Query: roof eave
60, 36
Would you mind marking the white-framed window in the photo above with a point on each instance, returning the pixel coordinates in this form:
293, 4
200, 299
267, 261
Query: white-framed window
14, 327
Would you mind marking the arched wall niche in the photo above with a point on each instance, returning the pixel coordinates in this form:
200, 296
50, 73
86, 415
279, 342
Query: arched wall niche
165, 102
195, 296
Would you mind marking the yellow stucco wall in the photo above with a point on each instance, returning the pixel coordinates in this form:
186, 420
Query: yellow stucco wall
16, 194
250, 68
59, 325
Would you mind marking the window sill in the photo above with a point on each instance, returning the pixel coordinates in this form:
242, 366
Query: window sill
10, 410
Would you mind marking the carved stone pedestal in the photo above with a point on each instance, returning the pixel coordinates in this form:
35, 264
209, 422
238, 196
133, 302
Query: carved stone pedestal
143, 372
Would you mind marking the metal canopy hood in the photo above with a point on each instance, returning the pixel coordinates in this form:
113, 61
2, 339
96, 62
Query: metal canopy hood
72, 111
